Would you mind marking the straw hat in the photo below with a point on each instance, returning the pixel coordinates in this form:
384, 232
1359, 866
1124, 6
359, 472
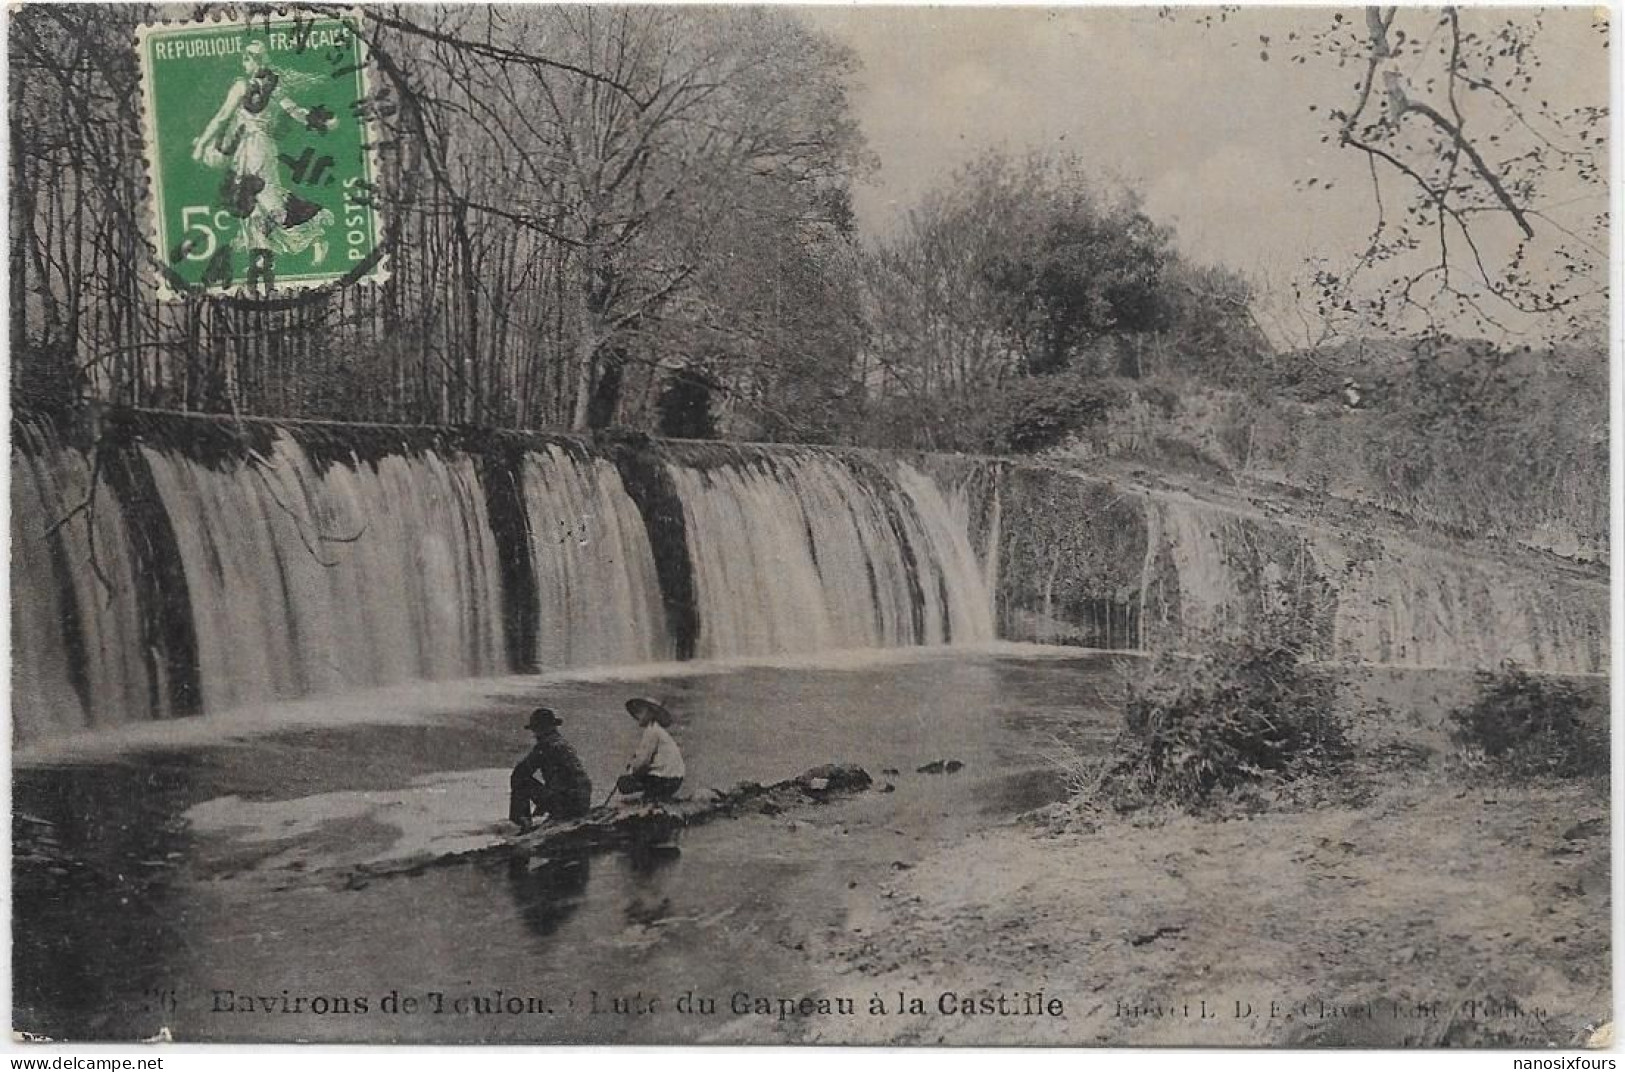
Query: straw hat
641, 705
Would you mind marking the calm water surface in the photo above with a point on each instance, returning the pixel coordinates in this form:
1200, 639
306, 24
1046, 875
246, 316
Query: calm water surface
120, 930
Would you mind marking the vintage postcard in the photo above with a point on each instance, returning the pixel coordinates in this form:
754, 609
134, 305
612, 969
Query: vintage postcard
1020, 526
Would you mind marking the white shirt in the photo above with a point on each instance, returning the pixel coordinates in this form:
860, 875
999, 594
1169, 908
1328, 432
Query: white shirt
657, 753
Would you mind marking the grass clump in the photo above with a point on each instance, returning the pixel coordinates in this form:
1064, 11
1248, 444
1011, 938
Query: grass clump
1247, 718
1526, 725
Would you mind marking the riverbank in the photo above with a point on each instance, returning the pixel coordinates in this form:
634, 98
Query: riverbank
1431, 904
155, 888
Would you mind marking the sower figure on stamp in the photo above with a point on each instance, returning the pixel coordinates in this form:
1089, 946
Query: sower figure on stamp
550, 780
656, 770
242, 138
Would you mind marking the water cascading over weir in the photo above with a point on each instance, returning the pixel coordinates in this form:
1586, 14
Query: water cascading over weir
182, 565
168, 565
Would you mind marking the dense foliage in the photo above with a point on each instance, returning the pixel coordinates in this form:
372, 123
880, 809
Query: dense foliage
1016, 289
1194, 729
1529, 725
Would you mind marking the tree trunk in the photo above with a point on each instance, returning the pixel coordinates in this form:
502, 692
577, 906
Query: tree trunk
606, 393
586, 373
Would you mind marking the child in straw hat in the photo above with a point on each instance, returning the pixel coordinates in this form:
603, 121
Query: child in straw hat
656, 770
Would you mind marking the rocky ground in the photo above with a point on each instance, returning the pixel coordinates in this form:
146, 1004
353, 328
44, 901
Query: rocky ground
1420, 901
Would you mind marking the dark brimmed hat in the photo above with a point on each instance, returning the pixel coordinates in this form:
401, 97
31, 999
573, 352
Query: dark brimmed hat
543, 718
639, 705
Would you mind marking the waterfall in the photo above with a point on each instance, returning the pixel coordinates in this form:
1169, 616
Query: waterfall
77, 655
251, 562
797, 553
598, 598
304, 582
187, 566
1377, 599
1210, 593
1428, 609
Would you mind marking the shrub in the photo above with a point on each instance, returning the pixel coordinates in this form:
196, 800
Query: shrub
1250, 716
1528, 725
1039, 412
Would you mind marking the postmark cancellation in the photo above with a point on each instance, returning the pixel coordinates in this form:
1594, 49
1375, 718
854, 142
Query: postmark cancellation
258, 151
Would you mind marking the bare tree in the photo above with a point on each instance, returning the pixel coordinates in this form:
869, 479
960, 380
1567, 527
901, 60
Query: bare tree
629, 149
552, 181
1487, 170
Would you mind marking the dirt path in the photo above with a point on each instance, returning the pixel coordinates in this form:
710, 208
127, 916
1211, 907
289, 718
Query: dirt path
1442, 908
1374, 926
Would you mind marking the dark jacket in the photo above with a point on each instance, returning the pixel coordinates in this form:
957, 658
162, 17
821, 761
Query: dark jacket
565, 785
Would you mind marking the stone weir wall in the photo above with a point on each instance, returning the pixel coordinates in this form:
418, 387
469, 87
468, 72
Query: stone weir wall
1087, 561
167, 565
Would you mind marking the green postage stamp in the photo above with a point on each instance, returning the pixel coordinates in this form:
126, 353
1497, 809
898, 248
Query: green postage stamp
258, 154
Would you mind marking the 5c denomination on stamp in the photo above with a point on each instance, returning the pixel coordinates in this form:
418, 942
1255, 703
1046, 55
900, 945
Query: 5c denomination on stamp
258, 154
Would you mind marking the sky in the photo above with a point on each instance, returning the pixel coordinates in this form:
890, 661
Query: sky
1216, 138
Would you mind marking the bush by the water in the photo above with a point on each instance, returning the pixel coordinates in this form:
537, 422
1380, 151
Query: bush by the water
1527, 725
1248, 717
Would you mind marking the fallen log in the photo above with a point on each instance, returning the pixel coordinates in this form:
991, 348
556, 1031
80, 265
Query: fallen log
636, 824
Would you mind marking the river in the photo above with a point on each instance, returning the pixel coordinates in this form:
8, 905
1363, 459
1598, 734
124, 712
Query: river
187, 875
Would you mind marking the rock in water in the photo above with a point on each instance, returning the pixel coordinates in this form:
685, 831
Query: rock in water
835, 777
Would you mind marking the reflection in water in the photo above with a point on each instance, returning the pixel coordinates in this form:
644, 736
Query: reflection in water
548, 890
130, 903
645, 860
93, 882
